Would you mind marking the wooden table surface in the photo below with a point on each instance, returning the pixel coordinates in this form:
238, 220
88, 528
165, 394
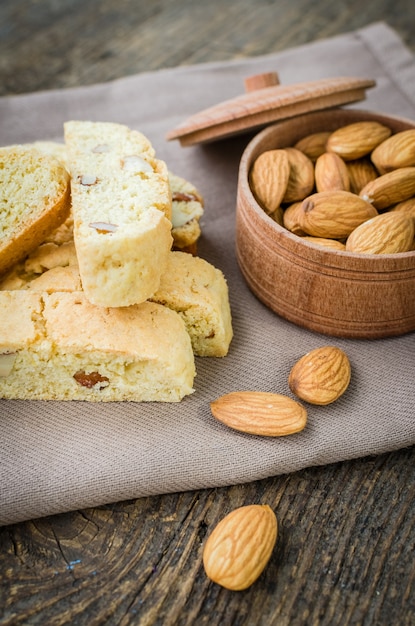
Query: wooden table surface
345, 552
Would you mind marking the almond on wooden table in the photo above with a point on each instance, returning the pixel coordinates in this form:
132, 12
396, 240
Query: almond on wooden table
240, 546
260, 413
321, 376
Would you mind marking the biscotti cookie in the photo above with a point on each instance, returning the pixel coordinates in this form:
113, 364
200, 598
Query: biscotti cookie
187, 202
190, 285
61, 347
199, 293
49, 259
34, 200
121, 205
187, 209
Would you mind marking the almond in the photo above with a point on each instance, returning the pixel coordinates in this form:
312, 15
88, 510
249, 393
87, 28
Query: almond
313, 145
390, 188
407, 207
331, 173
321, 376
290, 218
240, 546
356, 140
361, 172
260, 413
301, 178
388, 233
333, 214
269, 178
396, 151
334, 244
278, 216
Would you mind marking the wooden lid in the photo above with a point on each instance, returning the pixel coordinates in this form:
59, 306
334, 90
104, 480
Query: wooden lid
266, 101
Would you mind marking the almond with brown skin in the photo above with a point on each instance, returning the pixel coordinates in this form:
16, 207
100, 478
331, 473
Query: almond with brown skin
240, 546
313, 145
278, 216
269, 178
356, 140
361, 172
333, 214
331, 173
388, 233
321, 376
333, 244
260, 413
290, 219
407, 207
396, 151
390, 188
301, 178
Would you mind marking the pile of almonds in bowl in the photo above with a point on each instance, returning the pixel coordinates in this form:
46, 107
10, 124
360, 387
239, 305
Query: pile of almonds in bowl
351, 189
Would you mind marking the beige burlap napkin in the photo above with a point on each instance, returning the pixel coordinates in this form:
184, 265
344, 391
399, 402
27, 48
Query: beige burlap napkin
56, 457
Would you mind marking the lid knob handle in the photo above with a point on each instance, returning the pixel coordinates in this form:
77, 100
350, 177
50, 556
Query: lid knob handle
259, 81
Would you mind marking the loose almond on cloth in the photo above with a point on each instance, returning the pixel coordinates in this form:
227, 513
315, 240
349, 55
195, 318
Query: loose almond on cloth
240, 546
260, 413
321, 376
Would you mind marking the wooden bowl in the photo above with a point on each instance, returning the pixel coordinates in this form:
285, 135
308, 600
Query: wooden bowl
332, 292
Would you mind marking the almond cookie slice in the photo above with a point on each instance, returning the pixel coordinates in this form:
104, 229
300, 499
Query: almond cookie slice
34, 200
199, 293
121, 204
61, 347
191, 286
187, 209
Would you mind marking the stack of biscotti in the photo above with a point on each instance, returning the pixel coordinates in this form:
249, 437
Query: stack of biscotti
100, 348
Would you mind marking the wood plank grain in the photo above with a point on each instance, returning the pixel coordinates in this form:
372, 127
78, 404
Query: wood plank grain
51, 44
344, 555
